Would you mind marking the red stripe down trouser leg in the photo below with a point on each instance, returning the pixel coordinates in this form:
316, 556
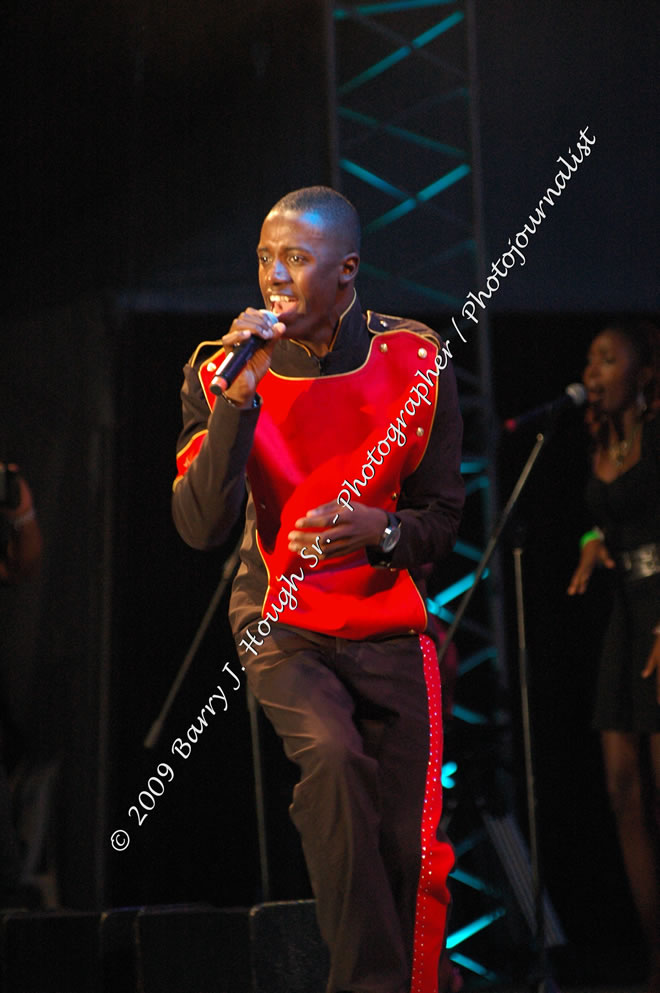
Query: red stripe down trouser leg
362, 720
433, 896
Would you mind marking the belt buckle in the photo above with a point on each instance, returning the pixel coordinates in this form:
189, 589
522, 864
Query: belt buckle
648, 562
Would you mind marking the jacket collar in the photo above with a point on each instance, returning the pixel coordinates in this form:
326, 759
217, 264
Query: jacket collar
349, 349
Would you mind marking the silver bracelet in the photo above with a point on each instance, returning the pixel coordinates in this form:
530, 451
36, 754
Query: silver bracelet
18, 522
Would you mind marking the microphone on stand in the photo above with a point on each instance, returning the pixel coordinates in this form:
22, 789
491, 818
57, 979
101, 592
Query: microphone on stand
236, 360
575, 395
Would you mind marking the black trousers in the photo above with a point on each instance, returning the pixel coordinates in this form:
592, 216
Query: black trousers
362, 720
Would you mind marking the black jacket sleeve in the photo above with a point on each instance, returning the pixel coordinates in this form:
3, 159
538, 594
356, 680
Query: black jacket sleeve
208, 498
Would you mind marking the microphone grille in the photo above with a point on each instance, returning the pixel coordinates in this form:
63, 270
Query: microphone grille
577, 393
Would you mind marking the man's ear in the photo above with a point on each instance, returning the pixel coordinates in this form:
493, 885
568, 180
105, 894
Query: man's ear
349, 268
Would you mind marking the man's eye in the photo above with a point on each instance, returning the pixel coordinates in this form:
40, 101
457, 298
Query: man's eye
297, 258
263, 259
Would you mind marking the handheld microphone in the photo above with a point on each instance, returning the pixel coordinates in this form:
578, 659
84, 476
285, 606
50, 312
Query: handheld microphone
236, 360
574, 395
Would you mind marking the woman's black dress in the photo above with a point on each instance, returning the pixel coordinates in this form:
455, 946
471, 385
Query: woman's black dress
628, 511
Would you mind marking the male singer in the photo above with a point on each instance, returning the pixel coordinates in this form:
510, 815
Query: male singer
347, 428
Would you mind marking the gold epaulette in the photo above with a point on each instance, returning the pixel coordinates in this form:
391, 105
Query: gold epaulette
204, 351
379, 323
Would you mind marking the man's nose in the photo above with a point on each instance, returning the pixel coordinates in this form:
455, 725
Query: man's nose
279, 272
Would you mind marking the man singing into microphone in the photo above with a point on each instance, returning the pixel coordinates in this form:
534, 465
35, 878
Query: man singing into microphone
347, 430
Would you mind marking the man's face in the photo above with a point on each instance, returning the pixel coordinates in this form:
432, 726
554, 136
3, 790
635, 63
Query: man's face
305, 273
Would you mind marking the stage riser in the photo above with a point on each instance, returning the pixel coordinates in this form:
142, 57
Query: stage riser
269, 948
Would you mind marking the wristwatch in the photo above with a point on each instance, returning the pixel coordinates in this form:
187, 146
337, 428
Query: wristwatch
381, 554
390, 535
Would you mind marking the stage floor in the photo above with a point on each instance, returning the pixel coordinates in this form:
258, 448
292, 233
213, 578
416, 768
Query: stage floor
561, 988
572, 988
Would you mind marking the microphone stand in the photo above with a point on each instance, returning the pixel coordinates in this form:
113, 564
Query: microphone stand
492, 544
540, 980
152, 737
155, 731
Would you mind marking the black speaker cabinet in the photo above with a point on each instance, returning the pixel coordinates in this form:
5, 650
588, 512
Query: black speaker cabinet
271, 948
51, 952
194, 948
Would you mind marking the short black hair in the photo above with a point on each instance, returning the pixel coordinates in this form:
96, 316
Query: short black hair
334, 208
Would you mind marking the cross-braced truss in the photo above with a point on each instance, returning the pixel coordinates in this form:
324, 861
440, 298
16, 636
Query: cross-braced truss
406, 135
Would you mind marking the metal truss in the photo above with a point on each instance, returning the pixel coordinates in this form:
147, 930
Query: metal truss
407, 155
404, 147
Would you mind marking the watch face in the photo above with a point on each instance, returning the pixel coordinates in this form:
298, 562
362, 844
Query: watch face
390, 537
389, 540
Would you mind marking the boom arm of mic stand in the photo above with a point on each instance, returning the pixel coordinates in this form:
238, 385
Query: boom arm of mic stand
492, 543
227, 571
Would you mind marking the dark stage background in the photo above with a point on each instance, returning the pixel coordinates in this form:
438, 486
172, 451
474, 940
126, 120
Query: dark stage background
143, 145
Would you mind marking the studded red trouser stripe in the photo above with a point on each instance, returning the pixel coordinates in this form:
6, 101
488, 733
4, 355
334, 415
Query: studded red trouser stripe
437, 856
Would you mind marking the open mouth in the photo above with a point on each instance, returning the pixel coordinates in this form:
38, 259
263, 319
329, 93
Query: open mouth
281, 303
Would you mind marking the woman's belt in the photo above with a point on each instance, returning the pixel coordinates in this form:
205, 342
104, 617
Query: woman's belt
640, 562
